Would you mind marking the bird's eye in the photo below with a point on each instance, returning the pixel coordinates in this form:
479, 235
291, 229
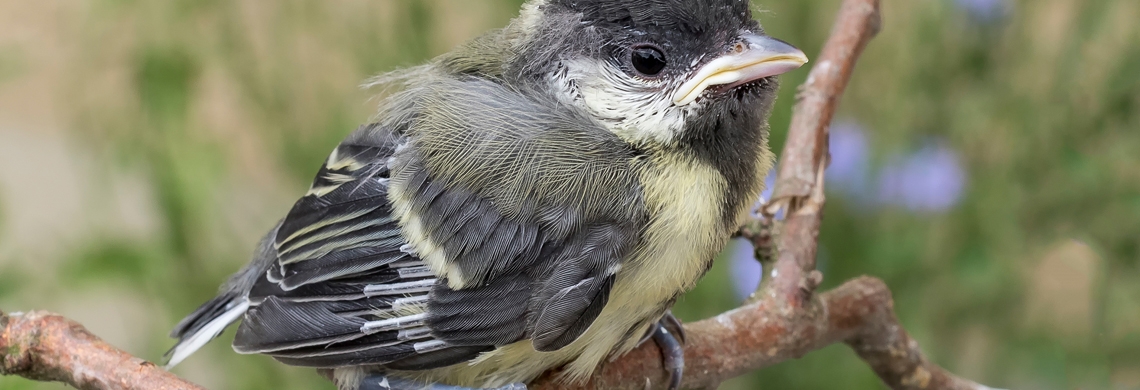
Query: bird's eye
648, 60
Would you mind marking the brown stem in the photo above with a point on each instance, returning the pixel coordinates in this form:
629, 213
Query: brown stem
799, 185
47, 347
860, 313
858, 22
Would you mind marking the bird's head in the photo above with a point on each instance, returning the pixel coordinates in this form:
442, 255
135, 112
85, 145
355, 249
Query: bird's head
648, 69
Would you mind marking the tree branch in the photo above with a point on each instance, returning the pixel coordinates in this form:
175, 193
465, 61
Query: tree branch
48, 347
859, 313
799, 183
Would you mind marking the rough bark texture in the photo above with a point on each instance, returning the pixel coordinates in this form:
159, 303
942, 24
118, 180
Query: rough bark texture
806, 148
799, 182
859, 313
786, 321
48, 347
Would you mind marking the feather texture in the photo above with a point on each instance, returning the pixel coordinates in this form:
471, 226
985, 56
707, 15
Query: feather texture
353, 283
523, 202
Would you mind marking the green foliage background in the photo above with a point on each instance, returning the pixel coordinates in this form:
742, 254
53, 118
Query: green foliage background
190, 126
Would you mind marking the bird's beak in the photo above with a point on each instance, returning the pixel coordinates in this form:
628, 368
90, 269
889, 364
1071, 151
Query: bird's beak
753, 58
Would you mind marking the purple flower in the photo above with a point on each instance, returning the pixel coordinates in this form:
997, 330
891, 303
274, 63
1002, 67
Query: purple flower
849, 171
745, 269
930, 180
985, 11
769, 186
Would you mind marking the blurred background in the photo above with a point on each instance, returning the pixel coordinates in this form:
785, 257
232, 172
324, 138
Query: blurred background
986, 164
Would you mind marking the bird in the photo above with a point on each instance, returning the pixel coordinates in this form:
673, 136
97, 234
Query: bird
537, 198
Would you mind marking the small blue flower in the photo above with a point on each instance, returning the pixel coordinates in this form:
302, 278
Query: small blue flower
769, 186
746, 271
985, 11
849, 172
930, 180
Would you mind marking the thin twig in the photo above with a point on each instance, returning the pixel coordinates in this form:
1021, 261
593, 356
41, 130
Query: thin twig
799, 184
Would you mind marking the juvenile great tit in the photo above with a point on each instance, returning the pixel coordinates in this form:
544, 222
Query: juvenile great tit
537, 198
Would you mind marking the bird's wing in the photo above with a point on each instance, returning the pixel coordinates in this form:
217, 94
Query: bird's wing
519, 278
339, 242
537, 251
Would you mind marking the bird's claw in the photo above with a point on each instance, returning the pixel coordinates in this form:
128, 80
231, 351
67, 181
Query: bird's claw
668, 334
674, 325
382, 382
672, 355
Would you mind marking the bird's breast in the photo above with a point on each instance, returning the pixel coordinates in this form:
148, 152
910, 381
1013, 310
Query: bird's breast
685, 200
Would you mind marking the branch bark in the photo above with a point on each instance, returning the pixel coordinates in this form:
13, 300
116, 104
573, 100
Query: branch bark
859, 313
799, 183
48, 347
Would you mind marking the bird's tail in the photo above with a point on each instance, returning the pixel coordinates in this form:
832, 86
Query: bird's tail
204, 324
210, 319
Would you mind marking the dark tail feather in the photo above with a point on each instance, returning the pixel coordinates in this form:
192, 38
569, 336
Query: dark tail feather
205, 324
210, 319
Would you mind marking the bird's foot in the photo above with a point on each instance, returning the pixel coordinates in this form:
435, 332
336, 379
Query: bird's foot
669, 334
383, 382
674, 325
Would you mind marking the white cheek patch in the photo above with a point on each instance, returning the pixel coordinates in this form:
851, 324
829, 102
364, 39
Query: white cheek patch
635, 109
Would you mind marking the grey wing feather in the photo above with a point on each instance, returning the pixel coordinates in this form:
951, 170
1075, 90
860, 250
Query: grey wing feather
568, 314
579, 287
536, 206
343, 278
278, 325
485, 315
513, 190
